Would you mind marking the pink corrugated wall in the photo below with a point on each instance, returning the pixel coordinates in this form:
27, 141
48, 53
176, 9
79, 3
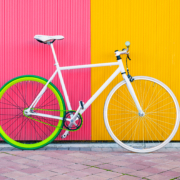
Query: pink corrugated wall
20, 54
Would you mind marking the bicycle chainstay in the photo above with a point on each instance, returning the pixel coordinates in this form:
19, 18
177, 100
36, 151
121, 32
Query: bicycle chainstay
51, 124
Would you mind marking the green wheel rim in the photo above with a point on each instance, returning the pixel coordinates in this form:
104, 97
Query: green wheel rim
56, 132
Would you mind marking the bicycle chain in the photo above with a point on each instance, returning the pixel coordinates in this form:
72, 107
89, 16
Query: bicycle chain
51, 124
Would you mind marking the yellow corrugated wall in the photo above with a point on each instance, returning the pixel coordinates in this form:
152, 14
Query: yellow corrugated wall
152, 27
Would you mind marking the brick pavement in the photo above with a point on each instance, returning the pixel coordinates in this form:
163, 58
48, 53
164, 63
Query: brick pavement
88, 164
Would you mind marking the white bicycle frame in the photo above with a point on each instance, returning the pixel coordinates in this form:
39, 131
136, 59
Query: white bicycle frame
120, 69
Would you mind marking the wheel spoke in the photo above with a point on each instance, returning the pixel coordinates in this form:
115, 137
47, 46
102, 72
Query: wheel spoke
36, 132
18, 115
24, 100
129, 110
153, 132
133, 104
154, 101
12, 104
131, 129
121, 104
158, 126
126, 126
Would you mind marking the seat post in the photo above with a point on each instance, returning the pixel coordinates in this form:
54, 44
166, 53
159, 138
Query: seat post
54, 54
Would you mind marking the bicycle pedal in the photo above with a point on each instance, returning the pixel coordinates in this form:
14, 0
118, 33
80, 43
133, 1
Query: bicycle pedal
66, 133
63, 136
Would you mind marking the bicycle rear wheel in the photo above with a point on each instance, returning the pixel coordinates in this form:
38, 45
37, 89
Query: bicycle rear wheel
150, 132
23, 132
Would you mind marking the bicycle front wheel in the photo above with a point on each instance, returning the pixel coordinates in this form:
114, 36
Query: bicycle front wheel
21, 131
150, 132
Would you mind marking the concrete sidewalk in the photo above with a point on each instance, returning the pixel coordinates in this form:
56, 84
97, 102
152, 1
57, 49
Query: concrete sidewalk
86, 147
99, 162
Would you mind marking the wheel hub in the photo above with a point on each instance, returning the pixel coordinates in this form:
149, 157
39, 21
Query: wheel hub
26, 111
141, 114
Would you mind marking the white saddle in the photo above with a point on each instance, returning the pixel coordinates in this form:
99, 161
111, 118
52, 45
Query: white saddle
45, 39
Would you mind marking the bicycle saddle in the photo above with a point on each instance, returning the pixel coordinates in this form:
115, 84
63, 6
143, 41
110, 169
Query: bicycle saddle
45, 39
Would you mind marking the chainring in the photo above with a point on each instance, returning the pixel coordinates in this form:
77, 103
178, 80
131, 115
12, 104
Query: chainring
79, 121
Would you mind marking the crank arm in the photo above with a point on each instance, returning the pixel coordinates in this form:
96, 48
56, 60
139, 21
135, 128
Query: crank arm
72, 121
65, 134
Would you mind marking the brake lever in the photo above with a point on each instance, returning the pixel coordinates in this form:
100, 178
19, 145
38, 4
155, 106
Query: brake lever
128, 57
127, 54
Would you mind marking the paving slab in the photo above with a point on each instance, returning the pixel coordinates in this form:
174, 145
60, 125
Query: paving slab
88, 163
62, 148
107, 149
85, 149
74, 149
51, 148
96, 149
7, 149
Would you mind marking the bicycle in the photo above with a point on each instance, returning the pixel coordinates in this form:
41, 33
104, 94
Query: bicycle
140, 113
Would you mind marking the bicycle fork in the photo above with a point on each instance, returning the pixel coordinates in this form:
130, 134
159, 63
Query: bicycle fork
130, 88
131, 91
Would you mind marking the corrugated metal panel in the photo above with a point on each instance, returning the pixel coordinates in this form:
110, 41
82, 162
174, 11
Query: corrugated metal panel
153, 29
2, 35
20, 54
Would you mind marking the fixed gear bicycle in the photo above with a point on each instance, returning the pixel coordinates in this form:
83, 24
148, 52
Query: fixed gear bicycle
140, 113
